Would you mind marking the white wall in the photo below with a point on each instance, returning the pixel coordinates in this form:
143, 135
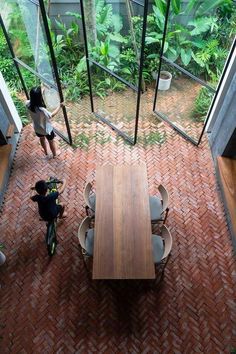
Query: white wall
8, 105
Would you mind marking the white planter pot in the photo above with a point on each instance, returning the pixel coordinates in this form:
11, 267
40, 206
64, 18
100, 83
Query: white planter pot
164, 80
2, 258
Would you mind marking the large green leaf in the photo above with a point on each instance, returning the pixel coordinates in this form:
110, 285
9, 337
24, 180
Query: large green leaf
117, 22
81, 65
114, 51
176, 6
208, 5
166, 46
201, 25
171, 54
186, 56
159, 17
75, 14
191, 5
160, 5
117, 37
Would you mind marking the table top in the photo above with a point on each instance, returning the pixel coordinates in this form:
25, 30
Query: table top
122, 243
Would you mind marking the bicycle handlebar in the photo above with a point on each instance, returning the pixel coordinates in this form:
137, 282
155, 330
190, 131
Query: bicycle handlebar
52, 180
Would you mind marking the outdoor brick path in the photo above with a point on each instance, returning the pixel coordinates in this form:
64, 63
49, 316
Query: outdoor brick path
51, 306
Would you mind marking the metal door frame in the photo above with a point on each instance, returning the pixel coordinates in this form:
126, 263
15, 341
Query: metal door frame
138, 88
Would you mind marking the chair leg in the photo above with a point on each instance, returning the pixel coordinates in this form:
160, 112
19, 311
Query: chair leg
165, 264
87, 210
166, 214
85, 263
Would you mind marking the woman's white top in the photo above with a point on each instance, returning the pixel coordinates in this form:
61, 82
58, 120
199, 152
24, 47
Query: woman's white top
41, 120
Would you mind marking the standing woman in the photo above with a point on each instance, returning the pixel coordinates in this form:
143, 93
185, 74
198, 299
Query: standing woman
41, 118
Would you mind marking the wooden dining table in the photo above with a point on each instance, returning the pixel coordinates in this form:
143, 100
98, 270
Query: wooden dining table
122, 242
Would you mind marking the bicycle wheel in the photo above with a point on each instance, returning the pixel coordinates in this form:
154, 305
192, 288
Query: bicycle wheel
51, 239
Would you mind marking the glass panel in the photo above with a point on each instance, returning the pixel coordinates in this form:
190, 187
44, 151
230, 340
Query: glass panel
27, 35
68, 47
23, 21
199, 36
114, 36
114, 101
182, 101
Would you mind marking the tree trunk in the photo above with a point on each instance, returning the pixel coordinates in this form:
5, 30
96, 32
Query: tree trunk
90, 21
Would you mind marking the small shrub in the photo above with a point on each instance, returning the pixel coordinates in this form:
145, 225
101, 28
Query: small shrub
201, 105
82, 141
154, 138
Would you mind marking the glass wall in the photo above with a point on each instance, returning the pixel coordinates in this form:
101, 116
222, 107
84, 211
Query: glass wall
114, 49
26, 34
197, 40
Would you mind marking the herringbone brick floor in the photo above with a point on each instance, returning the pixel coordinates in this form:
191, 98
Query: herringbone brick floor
51, 306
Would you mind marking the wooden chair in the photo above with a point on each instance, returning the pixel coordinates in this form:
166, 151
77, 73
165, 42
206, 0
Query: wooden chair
162, 246
159, 207
90, 200
86, 239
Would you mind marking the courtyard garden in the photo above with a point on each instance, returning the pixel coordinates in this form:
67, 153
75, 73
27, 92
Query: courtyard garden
198, 40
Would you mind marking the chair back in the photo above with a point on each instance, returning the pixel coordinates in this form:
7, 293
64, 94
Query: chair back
166, 235
84, 226
164, 196
87, 191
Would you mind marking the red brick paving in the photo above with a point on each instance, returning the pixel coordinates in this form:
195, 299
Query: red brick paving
51, 306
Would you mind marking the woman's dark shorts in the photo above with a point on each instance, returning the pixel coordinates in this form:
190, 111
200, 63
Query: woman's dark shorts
50, 136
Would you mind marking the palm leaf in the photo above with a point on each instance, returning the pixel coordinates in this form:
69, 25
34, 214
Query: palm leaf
208, 5
176, 6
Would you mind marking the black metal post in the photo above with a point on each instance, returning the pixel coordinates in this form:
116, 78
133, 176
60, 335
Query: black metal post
13, 57
54, 63
145, 12
87, 54
162, 51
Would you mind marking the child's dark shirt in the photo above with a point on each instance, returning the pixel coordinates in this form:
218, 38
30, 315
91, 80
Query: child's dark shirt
48, 208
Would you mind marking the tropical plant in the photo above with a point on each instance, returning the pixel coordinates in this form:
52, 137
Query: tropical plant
189, 44
6, 61
202, 104
20, 106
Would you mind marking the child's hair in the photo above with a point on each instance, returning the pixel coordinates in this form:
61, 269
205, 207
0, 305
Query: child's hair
41, 187
36, 99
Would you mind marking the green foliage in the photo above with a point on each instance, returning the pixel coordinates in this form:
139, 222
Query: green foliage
155, 137
201, 105
201, 45
101, 138
191, 45
6, 64
21, 108
82, 141
17, 33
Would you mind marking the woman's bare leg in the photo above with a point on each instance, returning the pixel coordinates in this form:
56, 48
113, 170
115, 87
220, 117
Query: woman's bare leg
43, 144
52, 147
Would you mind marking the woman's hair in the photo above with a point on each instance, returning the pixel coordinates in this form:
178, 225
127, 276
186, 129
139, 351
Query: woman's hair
36, 99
